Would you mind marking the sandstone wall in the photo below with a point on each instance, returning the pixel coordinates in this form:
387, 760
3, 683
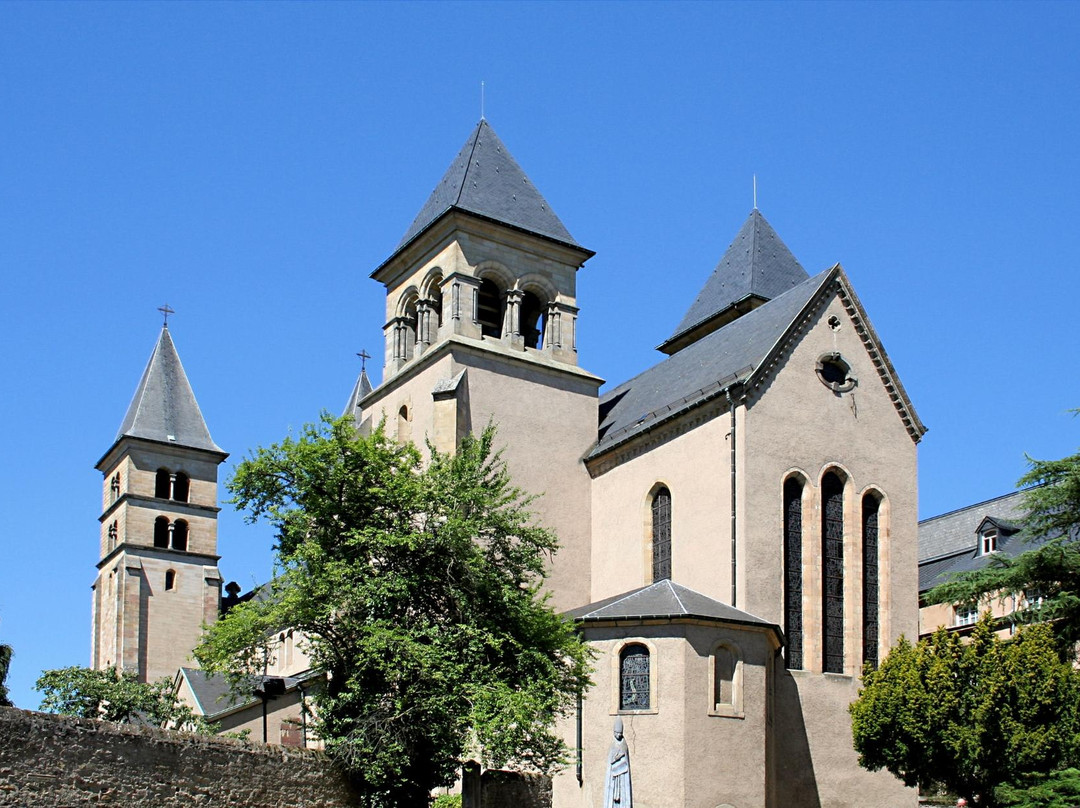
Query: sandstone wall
49, 761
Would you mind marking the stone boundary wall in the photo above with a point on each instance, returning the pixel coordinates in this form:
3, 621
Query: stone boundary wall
49, 761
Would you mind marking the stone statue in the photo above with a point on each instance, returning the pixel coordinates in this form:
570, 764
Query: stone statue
617, 792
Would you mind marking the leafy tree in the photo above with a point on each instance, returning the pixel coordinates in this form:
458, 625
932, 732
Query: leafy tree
118, 696
1049, 570
416, 586
969, 716
5, 664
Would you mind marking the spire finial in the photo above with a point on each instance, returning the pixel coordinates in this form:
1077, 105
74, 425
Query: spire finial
166, 311
364, 357
755, 192
481, 100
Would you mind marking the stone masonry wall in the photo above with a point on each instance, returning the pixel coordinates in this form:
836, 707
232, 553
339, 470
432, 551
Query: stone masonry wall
49, 761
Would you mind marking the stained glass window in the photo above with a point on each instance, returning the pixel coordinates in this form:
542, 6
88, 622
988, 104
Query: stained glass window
871, 507
634, 678
661, 531
793, 628
832, 532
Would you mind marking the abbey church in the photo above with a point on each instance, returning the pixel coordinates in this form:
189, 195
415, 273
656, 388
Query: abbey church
738, 523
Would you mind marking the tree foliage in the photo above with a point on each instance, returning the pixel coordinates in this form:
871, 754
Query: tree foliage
972, 715
113, 695
1046, 577
5, 665
416, 585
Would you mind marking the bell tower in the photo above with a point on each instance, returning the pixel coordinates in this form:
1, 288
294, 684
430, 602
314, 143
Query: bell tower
157, 579
481, 327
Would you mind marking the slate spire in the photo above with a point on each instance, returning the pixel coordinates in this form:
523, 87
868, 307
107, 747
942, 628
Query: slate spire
164, 407
756, 267
485, 179
360, 389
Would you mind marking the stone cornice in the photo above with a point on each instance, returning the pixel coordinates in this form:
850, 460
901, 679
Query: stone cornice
169, 505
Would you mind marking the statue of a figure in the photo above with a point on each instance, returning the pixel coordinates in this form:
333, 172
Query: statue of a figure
617, 792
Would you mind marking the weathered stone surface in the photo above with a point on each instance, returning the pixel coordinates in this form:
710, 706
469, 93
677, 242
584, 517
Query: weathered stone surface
49, 761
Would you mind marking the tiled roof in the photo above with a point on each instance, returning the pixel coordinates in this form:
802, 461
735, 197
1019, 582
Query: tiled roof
484, 179
664, 599
164, 407
701, 370
757, 264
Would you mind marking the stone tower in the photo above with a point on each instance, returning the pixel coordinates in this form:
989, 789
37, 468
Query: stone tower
481, 319
157, 580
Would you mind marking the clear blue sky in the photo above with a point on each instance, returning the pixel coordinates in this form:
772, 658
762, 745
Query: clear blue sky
251, 163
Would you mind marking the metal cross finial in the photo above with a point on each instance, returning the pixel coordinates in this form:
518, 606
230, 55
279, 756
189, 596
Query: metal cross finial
364, 357
165, 310
755, 192
481, 100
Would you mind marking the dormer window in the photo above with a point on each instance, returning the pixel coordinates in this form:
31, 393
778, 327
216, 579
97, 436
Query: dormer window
988, 541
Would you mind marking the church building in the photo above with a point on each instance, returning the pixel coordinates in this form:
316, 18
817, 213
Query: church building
737, 523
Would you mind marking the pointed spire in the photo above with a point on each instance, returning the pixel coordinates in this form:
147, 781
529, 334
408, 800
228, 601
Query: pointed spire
164, 407
756, 267
484, 179
360, 389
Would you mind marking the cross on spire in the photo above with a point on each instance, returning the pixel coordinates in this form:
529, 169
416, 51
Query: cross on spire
166, 311
364, 357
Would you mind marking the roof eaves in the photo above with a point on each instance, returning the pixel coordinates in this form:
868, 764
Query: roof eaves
669, 412
586, 252
915, 427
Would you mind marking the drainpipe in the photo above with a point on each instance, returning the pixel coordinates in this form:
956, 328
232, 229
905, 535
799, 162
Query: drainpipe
579, 772
734, 524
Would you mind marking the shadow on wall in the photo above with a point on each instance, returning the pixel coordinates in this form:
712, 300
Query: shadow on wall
793, 768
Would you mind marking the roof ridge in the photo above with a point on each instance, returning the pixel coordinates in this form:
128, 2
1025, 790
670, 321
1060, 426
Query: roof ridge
976, 504
469, 162
671, 586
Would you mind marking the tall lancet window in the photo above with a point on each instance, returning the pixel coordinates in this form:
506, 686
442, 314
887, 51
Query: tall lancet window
871, 507
832, 590
793, 589
661, 535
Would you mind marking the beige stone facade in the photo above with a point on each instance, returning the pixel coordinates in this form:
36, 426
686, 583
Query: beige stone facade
158, 581
737, 524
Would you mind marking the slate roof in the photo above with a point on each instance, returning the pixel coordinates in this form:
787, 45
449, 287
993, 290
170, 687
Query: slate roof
360, 389
701, 370
211, 691
949, 543
756, 264
664, 600
954, 531
486, 180
164, 407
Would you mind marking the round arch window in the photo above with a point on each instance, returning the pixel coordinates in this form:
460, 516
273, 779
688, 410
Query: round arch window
835, 373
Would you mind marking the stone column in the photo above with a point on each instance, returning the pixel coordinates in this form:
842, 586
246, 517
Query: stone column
423, 326
560, 337
459, 304
512, 319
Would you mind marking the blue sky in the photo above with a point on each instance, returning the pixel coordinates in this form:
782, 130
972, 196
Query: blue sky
251, 163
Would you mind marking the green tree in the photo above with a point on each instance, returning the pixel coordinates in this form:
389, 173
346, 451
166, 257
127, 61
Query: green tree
969, 716
118, 696
417, 587
5, 665
1047, 576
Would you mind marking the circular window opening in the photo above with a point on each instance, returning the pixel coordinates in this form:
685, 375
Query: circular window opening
835, 373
